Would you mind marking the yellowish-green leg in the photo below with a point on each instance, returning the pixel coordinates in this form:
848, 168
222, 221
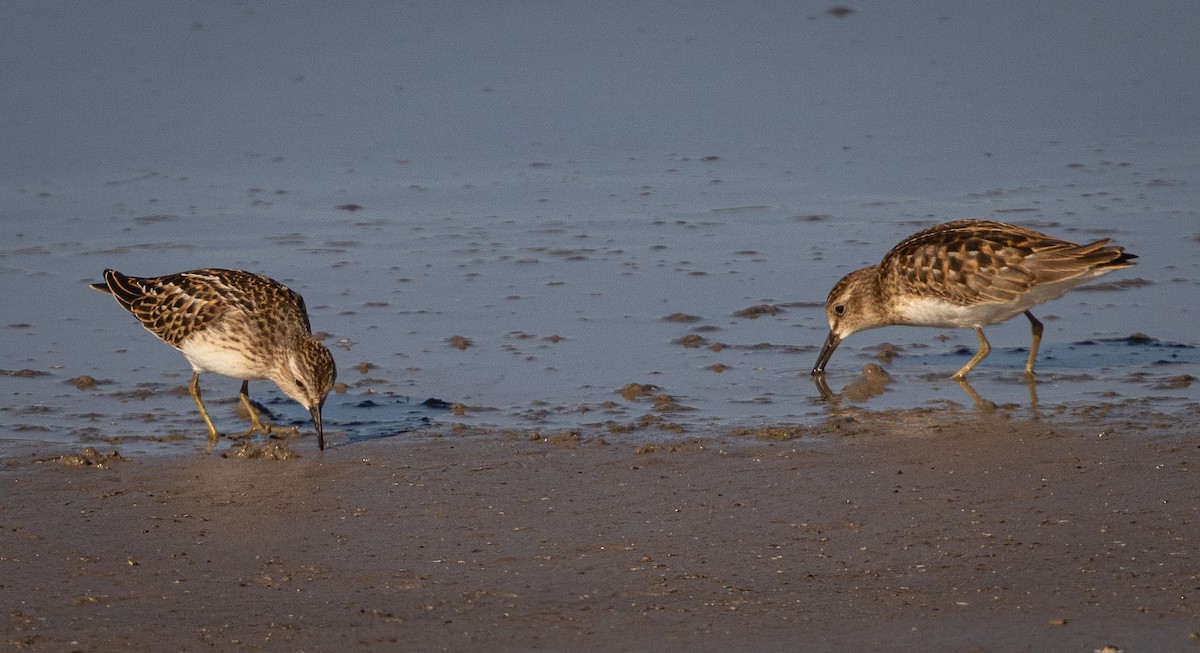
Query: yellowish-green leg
1037, 341
255, 423
213, 435
984, 350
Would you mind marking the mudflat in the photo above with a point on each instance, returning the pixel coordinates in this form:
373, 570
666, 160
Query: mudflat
915, 530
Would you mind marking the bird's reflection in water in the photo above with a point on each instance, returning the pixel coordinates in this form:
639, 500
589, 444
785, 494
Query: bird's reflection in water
980, 403
827, 394
873, 382
984, 404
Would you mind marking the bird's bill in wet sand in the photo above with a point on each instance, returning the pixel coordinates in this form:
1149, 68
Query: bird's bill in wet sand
831, 343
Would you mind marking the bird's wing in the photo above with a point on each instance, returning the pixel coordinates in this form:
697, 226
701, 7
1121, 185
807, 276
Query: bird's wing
174, 306
979, 262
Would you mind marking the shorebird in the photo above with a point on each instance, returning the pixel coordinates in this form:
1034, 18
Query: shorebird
966, 273
236, 324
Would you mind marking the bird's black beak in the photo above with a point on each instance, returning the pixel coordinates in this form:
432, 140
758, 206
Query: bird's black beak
831, 343
315, 411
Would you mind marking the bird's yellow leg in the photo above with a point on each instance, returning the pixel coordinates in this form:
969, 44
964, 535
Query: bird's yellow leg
1037, 341
256, 424
194, 387
984, 350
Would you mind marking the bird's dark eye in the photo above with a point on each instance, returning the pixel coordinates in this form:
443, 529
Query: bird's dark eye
300, 384
839, 310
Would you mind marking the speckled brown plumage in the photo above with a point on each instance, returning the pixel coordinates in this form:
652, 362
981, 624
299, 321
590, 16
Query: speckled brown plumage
966, 273
234, 323
176, 306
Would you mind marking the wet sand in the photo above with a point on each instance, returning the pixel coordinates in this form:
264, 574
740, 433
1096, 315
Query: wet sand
916, 530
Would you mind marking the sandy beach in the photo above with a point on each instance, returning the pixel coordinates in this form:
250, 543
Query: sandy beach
916, 530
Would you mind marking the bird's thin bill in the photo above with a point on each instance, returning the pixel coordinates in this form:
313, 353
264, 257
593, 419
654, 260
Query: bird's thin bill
831, 343
316, 418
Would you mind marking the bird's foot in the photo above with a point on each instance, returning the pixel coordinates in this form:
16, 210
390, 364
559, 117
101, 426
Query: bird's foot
284, 432
270, 430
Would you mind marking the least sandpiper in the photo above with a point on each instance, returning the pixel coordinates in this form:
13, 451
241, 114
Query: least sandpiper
236, 324
966, 273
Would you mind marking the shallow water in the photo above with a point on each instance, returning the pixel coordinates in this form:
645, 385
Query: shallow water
590, 201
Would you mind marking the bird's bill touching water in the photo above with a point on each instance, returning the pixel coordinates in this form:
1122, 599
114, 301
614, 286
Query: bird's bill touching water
315, 411
831, 343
